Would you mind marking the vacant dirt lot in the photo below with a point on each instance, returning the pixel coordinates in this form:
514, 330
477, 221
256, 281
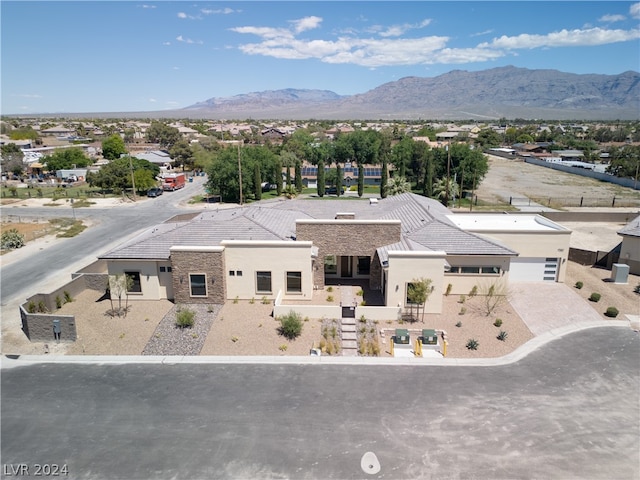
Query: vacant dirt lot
510, 178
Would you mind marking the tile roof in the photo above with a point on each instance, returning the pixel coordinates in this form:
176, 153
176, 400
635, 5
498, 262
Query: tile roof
632, 229
425, 226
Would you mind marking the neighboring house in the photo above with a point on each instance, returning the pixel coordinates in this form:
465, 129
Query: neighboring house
630, 249
157, 157
372, 174
285, 250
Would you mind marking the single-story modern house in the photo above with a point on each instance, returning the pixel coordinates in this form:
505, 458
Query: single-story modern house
630, 249
284, 250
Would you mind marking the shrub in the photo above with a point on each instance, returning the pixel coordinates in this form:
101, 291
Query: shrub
58, 302
448, 291
360, 293
329, 298
31, 307
235, 300
291, 325
252, 301
363, 303
363, 319
472, 344
329, 289
234, 339
637, 289
463, 298
185, 318
474, 291
459, 324
612, 312
283, 347
12, 239
595, 297
67, 297
579, 285
42, 308
498, 322
502, 336
463, 310
265, 301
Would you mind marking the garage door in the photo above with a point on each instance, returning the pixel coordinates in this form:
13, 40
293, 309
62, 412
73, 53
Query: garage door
533, 269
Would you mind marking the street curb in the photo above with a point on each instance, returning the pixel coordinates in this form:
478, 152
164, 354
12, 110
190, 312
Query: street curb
15, 361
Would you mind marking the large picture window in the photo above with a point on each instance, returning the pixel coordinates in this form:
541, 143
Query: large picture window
263, 282
364, 265
294, 282
198, 284
133, 282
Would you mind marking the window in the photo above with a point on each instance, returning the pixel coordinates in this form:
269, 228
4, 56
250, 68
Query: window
490, 270
294, 282
133, 282
198, 284
468, 270
232, 273
331, 264
163, 269
364, 265
263, 282
239, 273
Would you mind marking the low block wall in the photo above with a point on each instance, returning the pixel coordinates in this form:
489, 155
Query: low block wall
38, 327
379, 313
311, 311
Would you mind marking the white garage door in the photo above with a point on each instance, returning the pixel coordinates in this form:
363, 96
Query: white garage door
533, 269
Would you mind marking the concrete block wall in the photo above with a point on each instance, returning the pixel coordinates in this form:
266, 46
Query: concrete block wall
38, 327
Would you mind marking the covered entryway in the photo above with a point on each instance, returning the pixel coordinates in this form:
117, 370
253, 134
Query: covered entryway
533, 269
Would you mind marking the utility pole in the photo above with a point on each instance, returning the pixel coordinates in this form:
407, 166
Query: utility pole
133, 180
240, 172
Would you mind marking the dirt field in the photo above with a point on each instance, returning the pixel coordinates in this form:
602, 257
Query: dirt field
510, 178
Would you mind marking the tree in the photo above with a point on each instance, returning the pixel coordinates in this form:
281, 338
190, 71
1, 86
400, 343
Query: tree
384, 178
67, 158
165, 135
182, 154
144, 179
321, 178
298, 175
117, 286
495, 295
398, 185
402, 153
338, 180
418, 292
113, 147
257, 181
444, 193
12, 158
116, 175
11, 239
488, 138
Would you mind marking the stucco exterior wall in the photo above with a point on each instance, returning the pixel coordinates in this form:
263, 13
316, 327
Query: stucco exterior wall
148, 277
346, 237
209, 261
462, 284
277, 257
538, 244
404, 267
630, 253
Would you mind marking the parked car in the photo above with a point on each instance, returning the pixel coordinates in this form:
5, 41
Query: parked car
334, 191
154, 192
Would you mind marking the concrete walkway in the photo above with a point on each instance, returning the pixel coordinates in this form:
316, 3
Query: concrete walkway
547, 306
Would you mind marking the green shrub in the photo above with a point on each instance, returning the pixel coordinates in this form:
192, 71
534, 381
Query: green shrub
58, 302
185, 318
329, 298
474, 291
612, 312
498, 322
31, 307
42, 307
449, 287
265, 301
291, 325
472, 344
463, 298
595, 297
235, 300
463, 310
67, 297
637, 289
502, 336
579, 285
329, 289
459, 324
252, 301
12, 239
360, 293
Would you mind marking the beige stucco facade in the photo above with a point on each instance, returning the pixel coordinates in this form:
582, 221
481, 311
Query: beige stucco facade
462, 284
276, 257
405, 267
154, 286
630, 253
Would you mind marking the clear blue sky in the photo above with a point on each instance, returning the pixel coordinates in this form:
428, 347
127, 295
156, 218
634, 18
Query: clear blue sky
88, 56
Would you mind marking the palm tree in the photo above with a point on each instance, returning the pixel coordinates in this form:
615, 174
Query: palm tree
441, 192
398, 185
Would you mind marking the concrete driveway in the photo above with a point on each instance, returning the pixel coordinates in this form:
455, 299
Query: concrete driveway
547, 306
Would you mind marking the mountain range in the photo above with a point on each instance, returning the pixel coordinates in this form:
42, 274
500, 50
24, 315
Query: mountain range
508, 92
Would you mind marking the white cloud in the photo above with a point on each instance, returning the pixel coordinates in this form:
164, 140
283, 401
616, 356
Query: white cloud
147, 6
612, 18
384, 46
166, 43
182, 39
634, 10
480, 34
222, 11
152, 100
182, 15
172, 103
564, 38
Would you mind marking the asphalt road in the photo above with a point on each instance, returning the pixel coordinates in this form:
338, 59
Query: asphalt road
570, 410
112, 225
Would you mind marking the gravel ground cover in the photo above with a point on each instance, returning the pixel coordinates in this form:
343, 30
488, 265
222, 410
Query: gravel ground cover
169, 339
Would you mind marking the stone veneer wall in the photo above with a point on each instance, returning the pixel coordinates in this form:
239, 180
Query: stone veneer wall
347, 237
38, 327
209, 261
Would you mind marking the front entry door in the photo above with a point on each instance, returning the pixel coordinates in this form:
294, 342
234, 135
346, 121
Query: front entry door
345, 267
